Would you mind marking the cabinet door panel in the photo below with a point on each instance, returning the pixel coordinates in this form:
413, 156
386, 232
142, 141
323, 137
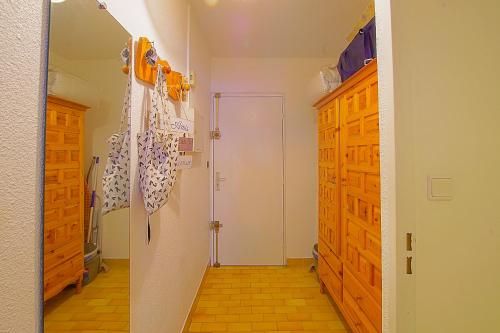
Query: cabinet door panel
360, 169
329, 175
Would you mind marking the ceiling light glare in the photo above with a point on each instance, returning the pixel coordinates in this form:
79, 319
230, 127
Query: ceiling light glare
57, 1
211, 3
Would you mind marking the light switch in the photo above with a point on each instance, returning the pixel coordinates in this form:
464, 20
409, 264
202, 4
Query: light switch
439, 188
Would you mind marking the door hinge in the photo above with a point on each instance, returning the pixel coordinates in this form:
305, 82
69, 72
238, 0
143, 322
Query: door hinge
215, 134
409, 269
409, 248
215, 225
409, 241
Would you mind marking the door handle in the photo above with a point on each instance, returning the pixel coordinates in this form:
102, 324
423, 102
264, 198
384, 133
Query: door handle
409, 269
218, 180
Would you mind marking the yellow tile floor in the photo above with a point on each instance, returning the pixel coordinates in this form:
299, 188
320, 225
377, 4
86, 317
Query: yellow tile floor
101, 307
264, 299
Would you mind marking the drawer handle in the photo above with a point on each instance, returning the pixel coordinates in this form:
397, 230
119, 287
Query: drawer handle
61, 256
359, 299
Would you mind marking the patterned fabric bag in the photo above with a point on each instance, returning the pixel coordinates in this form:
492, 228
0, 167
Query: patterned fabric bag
158, 151
116, 177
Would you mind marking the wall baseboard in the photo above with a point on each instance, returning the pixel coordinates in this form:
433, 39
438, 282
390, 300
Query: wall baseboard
299, 261
116, 260
194, 305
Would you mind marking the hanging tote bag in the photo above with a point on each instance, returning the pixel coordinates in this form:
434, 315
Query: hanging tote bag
116, 177
158, 151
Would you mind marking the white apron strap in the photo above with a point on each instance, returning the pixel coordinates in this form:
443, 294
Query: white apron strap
125, 118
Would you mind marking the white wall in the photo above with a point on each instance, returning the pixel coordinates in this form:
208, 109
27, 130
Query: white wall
22, 50
108, 83
390, 308
166, 273
447, 116
298, 80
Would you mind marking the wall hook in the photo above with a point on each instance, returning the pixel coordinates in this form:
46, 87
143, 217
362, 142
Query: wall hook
101, 5
125, 56
151, 55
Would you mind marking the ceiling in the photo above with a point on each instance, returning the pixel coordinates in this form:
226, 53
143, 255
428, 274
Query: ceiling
81, 31
277, 28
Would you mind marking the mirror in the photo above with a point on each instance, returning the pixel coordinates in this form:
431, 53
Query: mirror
86, 219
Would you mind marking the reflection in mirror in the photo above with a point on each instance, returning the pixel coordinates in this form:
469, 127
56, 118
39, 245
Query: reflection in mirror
86, 219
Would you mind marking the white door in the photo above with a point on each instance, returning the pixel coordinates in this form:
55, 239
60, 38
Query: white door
248, 180
447, 165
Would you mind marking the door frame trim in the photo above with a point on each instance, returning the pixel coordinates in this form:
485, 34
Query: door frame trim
212, 169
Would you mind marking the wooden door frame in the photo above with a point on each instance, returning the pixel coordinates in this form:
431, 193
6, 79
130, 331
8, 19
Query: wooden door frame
212, 165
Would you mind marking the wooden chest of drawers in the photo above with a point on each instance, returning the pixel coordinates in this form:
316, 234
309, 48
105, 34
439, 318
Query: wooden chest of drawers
349, 199
63, 200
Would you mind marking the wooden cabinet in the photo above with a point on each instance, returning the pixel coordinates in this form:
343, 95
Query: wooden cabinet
63, 200
349, 199
329, 174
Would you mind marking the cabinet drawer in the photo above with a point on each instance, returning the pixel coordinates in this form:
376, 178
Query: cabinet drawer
359, 322
55, 279
60, 233
363, 300
56, 256
333, 282
331, 258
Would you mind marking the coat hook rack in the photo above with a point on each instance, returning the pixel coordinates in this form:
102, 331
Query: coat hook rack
125, 55
145, 71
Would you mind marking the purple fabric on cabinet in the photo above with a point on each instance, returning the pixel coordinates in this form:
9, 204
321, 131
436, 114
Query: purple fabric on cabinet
362, 47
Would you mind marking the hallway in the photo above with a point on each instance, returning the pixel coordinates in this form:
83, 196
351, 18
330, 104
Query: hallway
263, 299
